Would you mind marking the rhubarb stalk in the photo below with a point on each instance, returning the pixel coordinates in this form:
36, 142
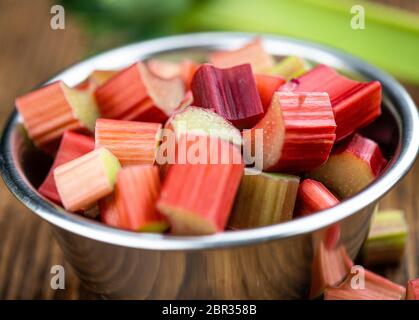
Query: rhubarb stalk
264, 199
72, 146
84, 180
131, 142
298, 132
412, 290
231, 93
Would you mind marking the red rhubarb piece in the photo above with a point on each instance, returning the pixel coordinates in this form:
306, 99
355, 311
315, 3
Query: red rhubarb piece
169, 70
355, 104
374, 287
85, 180
137, 190
72, 146
197, 198
413, 290
352, 166
55, 108
298, 132
330, 267
132, 142
252, 53
136, 93
267, 85
231, 93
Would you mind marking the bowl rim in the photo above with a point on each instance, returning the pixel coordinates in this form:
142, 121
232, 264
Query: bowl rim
393, 92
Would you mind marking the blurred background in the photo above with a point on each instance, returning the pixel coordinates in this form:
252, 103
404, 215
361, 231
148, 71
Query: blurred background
31, 52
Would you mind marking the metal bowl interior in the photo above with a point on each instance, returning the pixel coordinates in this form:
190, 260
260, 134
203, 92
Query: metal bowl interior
396, 130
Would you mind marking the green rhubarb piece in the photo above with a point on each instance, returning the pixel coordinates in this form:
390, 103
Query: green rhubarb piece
264, 199
386, 239
290, 67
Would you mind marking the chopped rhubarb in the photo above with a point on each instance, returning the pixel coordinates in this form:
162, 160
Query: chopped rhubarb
131, 142
267, 85
199, 121
169, 70
289, 67
330, 267
264, 199
197, 198
374, 287
252, 53
109, 213
55, 108
355, 104
298, 132
231, 93
83, 181
136, 192
386, 239
313, 196
412, 290
72, 146
136, 93
95, 79
352, 166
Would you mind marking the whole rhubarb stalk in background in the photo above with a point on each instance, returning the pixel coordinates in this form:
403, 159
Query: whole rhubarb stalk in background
267, 85
135, 93
264, 199
289, 67
386, 239
330, 267
375, 288
136, 192
412, 290
252, 53
197, 198
95, 79
355, 104
231, 93
184, 69
55, 108
72, 146
352, 166
298, 132
131, 142
84, 180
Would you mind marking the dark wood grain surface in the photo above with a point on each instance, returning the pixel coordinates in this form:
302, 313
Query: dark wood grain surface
30, 53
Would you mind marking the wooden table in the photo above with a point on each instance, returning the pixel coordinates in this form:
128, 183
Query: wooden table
30, 53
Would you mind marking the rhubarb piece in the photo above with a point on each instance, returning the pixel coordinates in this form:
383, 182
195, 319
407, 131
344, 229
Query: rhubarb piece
313, 196
267, 85
84, 180
375, 288
231, 93
136, 193
252, 53
51, 110
264, 199
197, 198
136, 93
330, 268
108, 211
386, 239
199, 121
352, 166
169, 70
298, 132
131, 142
412, 290
355, 104
72, 146
289, 67
95, 79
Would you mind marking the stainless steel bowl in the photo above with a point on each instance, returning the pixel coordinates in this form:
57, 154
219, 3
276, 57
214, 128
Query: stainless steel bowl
268, 262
